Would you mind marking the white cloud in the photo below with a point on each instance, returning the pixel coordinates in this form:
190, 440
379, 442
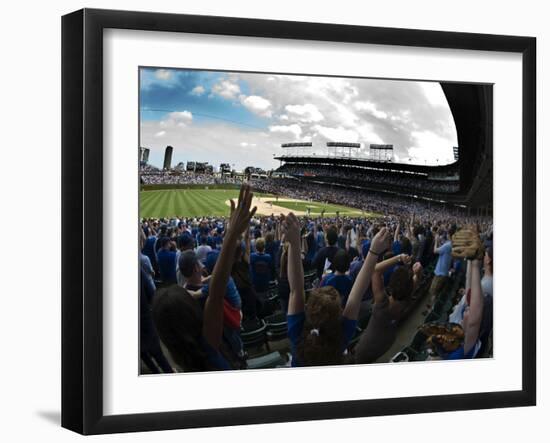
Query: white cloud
256, 104
371, 109
324, 109
430, 148
368, 135
197, 90
338, 134
307, 113
160, 134
180, 119
246, 144
434, 93
226, 89
163, 74
294, 129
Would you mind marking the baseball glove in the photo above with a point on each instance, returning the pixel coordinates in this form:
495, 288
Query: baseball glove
444, 337
467, 244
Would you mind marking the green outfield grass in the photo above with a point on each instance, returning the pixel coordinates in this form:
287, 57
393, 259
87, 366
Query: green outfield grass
204, 202
316, 208
185, 202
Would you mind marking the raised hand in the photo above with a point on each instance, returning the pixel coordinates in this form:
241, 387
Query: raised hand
381, 241
241, 213
291, 228
417, 268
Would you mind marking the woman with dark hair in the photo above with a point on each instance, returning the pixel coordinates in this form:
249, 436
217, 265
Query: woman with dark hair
388, 307
192, 336
320, 331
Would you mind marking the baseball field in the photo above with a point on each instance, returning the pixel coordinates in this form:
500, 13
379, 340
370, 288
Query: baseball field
215, 202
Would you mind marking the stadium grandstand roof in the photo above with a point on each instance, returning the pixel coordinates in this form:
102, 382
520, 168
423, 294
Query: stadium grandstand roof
364, 163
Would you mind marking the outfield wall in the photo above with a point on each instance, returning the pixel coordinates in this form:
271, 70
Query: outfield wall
186, 186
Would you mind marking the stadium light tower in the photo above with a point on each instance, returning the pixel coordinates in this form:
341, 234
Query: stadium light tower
379, 149
297, 146
337, 145
455, 152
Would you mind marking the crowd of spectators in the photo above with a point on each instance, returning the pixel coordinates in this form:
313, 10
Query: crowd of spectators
368, 201
152, 176
362, 176
203, 278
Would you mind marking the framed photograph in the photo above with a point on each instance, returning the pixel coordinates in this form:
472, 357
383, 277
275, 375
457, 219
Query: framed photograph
269, 221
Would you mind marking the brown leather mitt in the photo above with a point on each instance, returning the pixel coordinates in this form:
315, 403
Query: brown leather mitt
467, 244
445, 337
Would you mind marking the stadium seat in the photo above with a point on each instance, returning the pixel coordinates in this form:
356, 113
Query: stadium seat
273, 295
271, 360
309, 278
276, 327
253, 333
400, 357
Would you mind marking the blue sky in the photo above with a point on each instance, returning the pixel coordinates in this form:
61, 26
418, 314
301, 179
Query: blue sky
242, 118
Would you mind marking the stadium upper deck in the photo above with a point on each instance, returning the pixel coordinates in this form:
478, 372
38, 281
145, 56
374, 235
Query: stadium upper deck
471, 106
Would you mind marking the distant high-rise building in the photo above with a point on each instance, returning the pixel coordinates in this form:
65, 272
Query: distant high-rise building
144, 155
168, 157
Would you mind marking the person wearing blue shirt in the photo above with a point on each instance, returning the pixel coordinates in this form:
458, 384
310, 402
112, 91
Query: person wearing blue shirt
442, 248
311, 243
193, 335
261, 267
320, 237
338, 279
320, 331
150, 251
167, 261
272, 249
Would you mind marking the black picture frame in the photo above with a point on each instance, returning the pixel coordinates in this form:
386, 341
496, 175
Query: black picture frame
82, 190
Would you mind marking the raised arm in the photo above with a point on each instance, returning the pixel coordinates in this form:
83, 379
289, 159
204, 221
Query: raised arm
391, 262
295, 270
397, 231
417, 274
247, 245
436, 244
468, 283
379, 245
472, 322
277, 230
212, 328
348, 240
